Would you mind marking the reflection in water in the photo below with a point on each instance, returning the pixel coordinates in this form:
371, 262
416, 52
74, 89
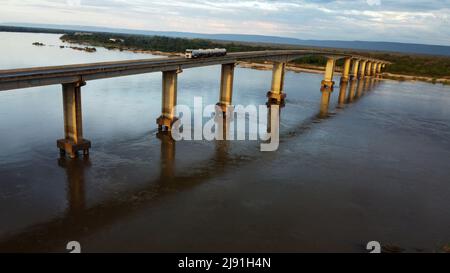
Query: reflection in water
167, 155
370, 85
367, 84
270, 122
57, 232
342, 92
352, 90
356, 90
325, 102
75, 173
360, 88
223, 127
376, 82
79, 219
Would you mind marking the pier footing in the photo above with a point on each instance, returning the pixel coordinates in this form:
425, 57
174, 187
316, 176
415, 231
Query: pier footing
165, 123
69, 147
275, 97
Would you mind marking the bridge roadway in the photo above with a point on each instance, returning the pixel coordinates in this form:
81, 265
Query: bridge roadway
40, 76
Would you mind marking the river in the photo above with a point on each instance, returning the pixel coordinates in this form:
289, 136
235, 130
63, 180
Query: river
376, 169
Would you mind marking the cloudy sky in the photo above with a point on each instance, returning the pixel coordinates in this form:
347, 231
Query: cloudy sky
417, 21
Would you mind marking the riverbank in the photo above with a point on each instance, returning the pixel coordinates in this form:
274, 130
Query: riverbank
399, 77
124, 48
320, 69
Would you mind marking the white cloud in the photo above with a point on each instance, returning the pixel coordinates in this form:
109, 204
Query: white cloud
373, 2
74, 3
400, 20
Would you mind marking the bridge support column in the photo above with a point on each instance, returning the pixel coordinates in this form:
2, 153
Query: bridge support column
73, 126
362, 71
379, 69
328, 82
276, 95
355, 69
169, 100
346, 70
382, 67
374, 69
327, 87
226, 86
369, 69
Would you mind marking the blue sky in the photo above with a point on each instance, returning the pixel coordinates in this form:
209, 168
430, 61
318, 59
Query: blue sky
417, 21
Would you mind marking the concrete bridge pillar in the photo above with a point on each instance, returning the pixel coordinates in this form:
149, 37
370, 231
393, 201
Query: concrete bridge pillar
382, 67
379, 68
355, 69
73, 126
346, 70
327, 87
369, 69
362, 71
169, 100
276, 95
226, 86
374, 69
328, 82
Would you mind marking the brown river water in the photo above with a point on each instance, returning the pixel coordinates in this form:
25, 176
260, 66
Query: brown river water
376, 169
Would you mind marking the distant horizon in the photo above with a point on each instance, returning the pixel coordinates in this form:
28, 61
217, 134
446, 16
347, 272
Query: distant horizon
115, 29
402, 21
397, 47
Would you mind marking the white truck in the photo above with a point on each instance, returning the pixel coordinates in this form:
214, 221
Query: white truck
205, 53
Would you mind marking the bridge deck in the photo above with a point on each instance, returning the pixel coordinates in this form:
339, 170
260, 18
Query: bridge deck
39, 76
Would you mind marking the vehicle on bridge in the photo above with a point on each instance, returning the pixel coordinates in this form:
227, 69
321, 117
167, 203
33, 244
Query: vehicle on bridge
205, 53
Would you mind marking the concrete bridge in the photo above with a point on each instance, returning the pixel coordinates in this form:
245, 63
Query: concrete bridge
73, 77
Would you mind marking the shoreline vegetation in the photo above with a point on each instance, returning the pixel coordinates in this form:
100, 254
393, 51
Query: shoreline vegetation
404, 67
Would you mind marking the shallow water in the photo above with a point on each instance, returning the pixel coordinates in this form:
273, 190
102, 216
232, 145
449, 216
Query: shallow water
377, 169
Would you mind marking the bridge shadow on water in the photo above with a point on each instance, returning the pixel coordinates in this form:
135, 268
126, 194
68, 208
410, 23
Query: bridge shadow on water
80, 220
